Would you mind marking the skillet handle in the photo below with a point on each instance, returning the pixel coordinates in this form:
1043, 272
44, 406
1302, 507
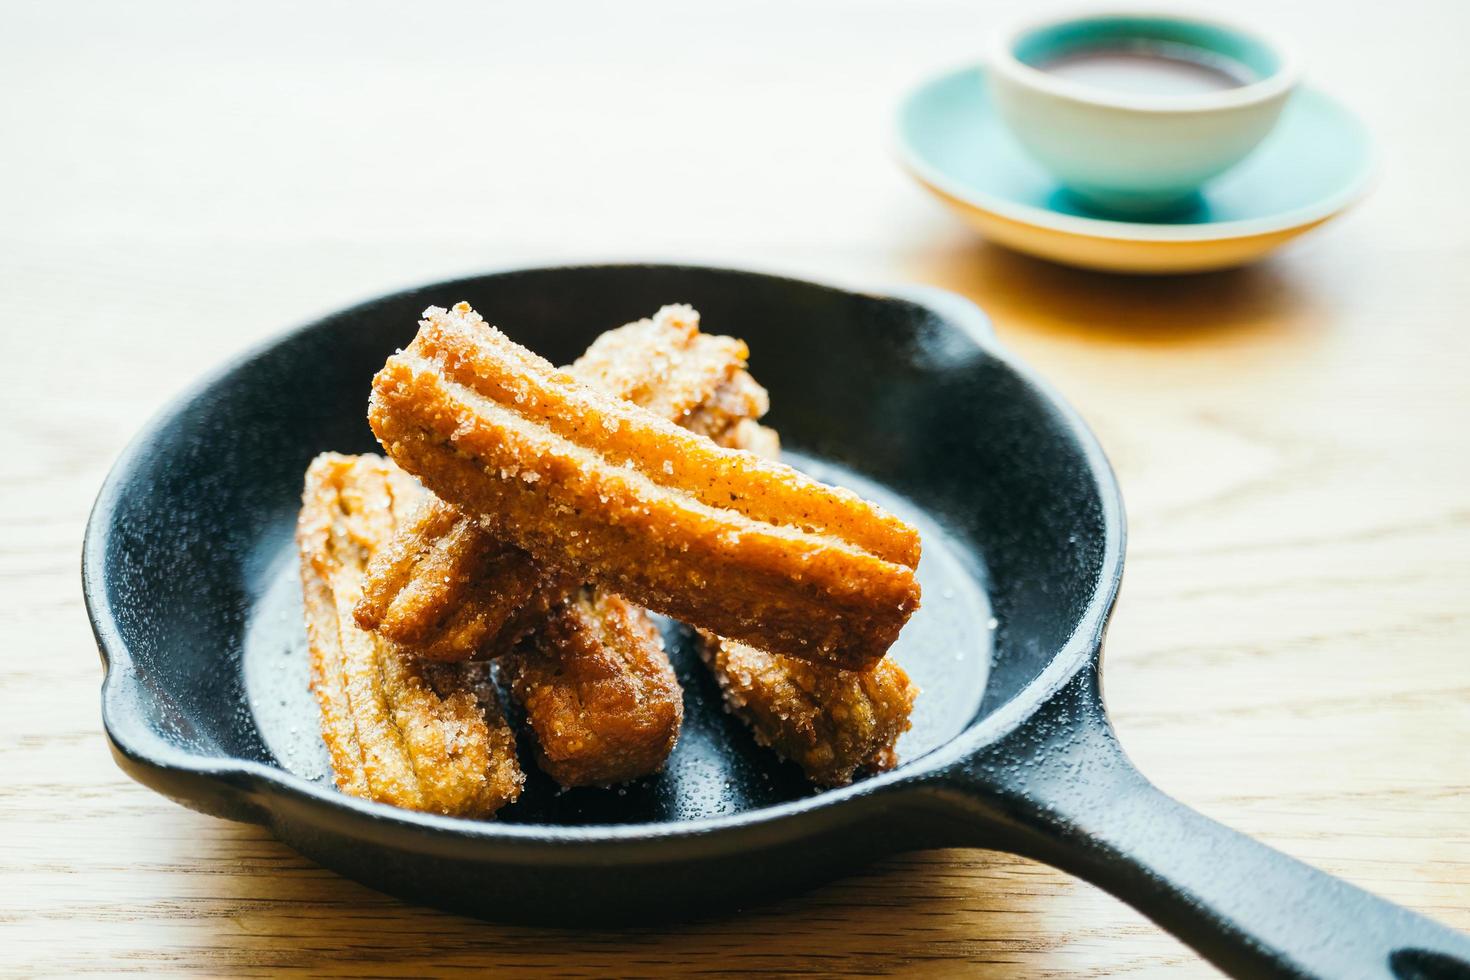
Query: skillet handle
1063, 792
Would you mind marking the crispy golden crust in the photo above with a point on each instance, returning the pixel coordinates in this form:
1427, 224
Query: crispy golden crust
445, 587
833, 723
599, 488
423, 738
595, 685
451, 589
598, 692
475, 370
665, 364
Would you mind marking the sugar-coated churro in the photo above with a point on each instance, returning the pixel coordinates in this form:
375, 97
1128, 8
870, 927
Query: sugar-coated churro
595, 686
445, 587
831, 722
666, 365
424, 737
609, 492
452, 589
598, 691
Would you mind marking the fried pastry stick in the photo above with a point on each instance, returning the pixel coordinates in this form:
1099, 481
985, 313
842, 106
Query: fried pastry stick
595, 684
423, 737
611, 493
596, 687
831, 722
451, 588
598, 691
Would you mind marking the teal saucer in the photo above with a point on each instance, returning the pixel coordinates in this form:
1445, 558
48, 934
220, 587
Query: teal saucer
1318, 161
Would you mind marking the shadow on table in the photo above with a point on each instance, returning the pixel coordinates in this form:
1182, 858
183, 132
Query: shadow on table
980, 912
1267, 301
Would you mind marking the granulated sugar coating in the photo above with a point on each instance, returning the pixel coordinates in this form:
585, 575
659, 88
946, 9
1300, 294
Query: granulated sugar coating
746, 548
833, 723
399, 731
598, 692
452, 590
445, 587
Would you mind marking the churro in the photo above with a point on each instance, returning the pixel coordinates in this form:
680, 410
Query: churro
598, 691
595, 685
424, 737
452, 589
609, 492
447, 588
832, 723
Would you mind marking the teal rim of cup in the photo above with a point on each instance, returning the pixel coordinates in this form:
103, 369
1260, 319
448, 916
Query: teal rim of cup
1020, 51
1201, 41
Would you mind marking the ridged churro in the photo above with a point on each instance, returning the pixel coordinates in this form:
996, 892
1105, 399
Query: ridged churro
595, 685
598, 691
831, 722
453, 589
611, 493
447, 588
422, 737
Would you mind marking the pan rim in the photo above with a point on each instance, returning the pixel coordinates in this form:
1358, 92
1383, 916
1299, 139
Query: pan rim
262, 783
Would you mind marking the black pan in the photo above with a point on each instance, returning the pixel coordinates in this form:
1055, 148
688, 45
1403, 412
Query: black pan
190, 581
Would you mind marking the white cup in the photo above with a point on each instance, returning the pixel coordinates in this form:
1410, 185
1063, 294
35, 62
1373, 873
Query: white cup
1137, 153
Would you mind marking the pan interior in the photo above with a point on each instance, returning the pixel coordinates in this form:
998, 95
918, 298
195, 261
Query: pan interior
716, 768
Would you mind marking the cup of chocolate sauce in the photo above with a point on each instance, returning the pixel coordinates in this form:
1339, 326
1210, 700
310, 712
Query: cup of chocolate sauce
1135, 112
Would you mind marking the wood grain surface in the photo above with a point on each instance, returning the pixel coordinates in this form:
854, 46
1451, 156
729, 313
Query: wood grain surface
1289, 655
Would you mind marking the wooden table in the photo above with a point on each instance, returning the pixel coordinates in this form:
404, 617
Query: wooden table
1289, 655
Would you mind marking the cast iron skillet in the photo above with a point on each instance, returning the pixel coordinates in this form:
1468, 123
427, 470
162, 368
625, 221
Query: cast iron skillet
190, 583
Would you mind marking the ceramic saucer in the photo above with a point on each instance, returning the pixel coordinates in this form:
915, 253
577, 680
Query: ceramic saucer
1317, 162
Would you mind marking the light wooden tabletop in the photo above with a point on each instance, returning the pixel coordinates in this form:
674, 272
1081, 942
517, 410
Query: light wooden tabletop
1289, 654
